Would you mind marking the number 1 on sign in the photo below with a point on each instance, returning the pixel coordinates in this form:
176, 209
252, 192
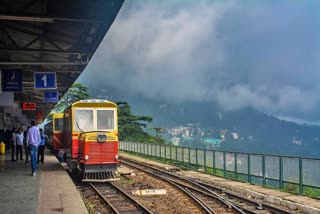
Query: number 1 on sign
44, 78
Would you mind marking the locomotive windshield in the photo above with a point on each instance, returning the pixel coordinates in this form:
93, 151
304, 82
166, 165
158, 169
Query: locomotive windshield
94, 119
84, 119
105, 119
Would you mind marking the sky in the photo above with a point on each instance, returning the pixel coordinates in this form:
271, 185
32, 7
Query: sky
239, 53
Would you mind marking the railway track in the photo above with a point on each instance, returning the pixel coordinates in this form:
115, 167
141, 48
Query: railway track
211, 199
109, 198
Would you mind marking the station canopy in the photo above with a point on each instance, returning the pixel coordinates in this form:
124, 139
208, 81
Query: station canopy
54, 36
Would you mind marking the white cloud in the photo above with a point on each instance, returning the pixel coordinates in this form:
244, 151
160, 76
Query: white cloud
263, 55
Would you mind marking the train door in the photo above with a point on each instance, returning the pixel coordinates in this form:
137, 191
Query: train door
57, 126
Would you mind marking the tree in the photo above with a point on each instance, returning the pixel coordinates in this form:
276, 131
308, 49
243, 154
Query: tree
131, 126
75, 93
158, 130
49, 117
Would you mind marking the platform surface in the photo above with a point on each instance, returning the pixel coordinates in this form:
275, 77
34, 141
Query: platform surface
50, 191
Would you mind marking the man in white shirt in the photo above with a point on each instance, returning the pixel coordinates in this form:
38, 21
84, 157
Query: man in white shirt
13, 144
19, 140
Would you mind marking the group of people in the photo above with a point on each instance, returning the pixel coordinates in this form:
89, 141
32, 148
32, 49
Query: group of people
33, 140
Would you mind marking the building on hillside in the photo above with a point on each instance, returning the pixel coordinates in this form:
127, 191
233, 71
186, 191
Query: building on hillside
175, 141
223, 133
235, 136
213, 143
186, 133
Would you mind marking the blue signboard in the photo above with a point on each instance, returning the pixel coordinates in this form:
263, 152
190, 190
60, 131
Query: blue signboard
12, 80
50, 96
45, 80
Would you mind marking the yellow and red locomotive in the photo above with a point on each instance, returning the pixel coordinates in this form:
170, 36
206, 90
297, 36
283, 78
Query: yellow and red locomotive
87, 132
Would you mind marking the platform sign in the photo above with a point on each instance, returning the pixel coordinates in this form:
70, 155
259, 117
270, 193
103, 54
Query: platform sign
45, 80
12, 80
50, 96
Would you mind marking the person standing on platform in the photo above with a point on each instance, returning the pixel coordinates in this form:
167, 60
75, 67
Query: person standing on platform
25, 145
41, 146
33, 141
13, 144
19, 141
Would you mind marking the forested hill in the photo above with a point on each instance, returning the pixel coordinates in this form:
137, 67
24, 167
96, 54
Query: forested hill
258, 132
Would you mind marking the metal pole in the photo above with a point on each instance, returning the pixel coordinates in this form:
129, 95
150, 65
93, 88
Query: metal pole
143, 148
249, 170
189, 157
280, 172
300, 176
182, 156
197, 158
263, 170
165, 151
205, 160
224, 165
214, 162
176, 154
236, 165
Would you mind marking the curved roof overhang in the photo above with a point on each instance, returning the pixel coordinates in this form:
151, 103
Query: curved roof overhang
51, 36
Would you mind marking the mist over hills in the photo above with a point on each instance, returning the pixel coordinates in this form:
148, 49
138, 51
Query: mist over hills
257, 132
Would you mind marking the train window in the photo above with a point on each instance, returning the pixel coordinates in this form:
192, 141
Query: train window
58, 124
84, 119
105, 119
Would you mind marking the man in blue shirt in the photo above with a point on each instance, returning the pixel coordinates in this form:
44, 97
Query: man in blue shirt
43, 137
33, 141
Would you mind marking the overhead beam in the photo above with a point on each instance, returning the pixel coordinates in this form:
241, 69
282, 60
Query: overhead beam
23, 50
53, 70
26, 18
9, 37
32, 33
43, 63
47, 19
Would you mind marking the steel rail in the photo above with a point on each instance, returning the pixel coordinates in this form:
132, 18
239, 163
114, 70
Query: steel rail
204, 186
106, 202
139, 206
190, 194
257, 204
213, 195
183, 188
200, 201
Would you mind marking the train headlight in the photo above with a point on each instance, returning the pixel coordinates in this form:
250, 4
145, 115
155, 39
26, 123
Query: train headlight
116, 157
101, 138
86, 157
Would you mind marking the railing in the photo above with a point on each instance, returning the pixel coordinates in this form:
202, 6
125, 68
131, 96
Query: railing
293, 174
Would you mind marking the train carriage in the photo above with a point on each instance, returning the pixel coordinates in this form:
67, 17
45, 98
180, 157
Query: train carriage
87, 131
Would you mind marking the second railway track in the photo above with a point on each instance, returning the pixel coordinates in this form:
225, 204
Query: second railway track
210, 198
113, 198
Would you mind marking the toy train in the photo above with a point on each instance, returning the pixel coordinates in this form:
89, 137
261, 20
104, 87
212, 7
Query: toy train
87, 133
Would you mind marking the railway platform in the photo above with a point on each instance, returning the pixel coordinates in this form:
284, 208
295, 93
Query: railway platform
51, 191
296, 203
